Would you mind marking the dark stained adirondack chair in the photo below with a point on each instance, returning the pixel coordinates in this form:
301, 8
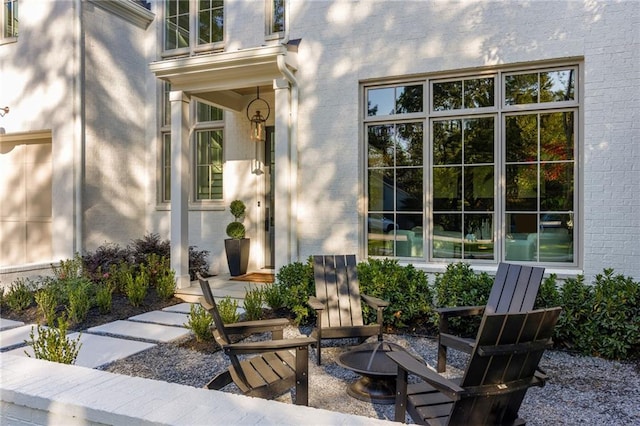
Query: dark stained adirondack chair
338, 301
514, 290
503, 365
271, 373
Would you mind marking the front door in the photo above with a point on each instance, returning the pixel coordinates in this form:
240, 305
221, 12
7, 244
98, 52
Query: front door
269, 175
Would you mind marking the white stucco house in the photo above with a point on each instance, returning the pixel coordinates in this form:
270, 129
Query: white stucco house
427, 131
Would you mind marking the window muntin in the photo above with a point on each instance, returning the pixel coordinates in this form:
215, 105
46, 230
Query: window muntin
193, 26
208, 165
500, 176
276, 18
396, 187
395, 100
9, 21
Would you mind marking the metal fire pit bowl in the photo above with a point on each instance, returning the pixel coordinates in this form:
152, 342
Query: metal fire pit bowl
370, 360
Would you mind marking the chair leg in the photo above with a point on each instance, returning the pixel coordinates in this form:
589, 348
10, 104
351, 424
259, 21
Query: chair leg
442, 358
302, 375
401, 396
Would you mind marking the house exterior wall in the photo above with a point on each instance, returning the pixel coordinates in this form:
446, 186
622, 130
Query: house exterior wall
111, 108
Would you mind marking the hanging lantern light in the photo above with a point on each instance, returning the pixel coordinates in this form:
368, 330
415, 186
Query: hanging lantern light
258, 133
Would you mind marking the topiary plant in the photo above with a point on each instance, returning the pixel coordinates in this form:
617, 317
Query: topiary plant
236, 229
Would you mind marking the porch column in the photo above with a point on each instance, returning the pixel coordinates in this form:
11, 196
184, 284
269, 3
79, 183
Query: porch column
180, 187
282, 190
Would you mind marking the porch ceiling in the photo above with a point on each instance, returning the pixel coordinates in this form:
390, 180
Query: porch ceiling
225, 79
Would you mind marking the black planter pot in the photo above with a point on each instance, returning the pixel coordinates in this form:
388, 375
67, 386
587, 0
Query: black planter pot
237, 255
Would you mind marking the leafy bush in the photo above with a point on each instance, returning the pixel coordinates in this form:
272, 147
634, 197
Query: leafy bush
200, 323
104, 259
459, 285
548, 294
69, 268
150, 244
236, 229
20, 295
274, 296
79, 296
404, 287
136, 287
253, 304
52, 344
295, 280
576, 301
198, 262
155, 266
166, 285
48, 299
228, 309
104, 297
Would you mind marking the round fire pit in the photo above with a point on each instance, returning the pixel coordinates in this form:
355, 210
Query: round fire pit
378, 382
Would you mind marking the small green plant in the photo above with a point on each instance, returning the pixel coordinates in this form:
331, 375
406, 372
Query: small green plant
548, 295
274, 297
166, 285
228, 309
48, 299
79, 296
20, 295
52, 344
459, 285
200, 323
69, 269
135, 288
296, 282
236, 229
253, 304
104, 297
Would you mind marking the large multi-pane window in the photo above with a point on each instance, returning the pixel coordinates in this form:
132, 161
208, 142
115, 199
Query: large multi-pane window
207, 158
9, 20
479, 168
192, 26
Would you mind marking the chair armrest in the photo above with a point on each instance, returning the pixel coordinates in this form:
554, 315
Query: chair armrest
374, 302
252, 327
267, 346
315, 303
411, 365
460, 311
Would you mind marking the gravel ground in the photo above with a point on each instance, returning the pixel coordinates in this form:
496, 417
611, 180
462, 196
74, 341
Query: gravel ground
579, 391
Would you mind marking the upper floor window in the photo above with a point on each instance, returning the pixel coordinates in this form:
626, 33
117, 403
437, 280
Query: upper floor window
276, 18
9, 21
192, 26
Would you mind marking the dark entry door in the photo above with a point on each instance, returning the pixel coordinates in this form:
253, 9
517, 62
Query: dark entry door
269, 180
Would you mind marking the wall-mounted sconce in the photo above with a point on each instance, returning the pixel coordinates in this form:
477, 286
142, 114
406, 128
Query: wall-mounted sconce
4, 111
257, 120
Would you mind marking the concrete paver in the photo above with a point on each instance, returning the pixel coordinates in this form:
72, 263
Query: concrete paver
6, 324
97, 350
137, 330
16, 336
162, 317
183, 308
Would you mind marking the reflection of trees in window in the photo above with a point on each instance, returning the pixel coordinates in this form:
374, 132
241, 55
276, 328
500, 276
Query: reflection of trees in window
277, 16
461, 94
409, 99
549, 86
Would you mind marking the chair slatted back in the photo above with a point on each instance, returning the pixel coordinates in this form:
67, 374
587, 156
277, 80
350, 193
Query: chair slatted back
502, 366
514, 289
337, 286
219, 333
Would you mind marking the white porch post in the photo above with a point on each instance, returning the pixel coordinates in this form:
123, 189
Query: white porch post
282, 194
180, 187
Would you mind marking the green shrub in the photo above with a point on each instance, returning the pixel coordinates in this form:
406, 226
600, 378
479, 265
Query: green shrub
150, 244
136, 287
404, 287
576, 299
228, 309
166, 285
20, 295
198, 262
155, 266
103, 259
69, 269
253, 304
295, 281
79, 299
548, 295
200, 323
52, 344
48, 299
104, 297
459, 285
274, 297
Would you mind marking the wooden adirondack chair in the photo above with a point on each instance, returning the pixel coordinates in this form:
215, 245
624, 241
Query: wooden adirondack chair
514, 290
338, 301
271, 373
503, 365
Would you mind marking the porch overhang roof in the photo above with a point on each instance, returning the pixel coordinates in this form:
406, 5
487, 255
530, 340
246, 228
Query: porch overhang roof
223, 78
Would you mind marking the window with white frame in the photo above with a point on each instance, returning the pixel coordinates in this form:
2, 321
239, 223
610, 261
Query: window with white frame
275, 12
193, 26
476, 167
9, 21
207, 158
